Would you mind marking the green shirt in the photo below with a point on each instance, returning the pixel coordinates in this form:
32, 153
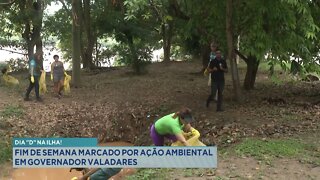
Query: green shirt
168, 125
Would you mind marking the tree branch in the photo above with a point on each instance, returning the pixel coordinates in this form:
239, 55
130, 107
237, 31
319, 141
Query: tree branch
241, 55
177, 12
8, 3
12, 51
64, 6
156, 10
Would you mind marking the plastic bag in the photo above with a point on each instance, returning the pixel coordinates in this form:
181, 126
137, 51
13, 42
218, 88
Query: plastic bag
10, 80
66, 85
192, 138
209, 80
42, 83
206, 72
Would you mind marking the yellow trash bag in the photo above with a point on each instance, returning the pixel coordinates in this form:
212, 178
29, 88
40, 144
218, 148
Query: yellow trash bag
9, 80
206, 72
192, 138
66, 85
42, 83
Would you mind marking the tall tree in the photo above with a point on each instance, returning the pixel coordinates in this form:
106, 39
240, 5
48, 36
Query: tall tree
132, 28
231, 54
204, 23
90, 36
163, 13
76, 28
25, 17
281, 29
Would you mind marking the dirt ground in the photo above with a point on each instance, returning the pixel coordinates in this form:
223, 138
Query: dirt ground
115, 105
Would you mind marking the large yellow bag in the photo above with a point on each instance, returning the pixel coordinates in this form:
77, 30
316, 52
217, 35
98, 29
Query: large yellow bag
9, 80
66, 85
42, 83
192, 138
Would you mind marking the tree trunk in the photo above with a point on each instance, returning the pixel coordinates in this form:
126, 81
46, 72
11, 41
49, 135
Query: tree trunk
37, 28
30, 50
238, 47
167, 37
205, 53
76, 43
82, 35
34, 20
135, 60
231, 55
39, 49
252, 69
90, 37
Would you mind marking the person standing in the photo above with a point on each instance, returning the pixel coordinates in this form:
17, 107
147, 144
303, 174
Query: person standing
217, 68
35, 70
57, 75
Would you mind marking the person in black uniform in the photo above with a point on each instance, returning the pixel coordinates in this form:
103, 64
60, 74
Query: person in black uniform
217, 68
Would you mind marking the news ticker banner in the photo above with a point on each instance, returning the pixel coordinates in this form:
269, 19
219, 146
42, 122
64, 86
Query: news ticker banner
85, 153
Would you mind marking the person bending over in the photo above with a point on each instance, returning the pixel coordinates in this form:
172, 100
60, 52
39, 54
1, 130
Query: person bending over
172, 126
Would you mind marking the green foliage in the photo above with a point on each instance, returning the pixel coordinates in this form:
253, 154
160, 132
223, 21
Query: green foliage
284, 30
18, 64
305, 70
295, 67
133, 31
270, 148
21, 23
59, 25
105, 52
134, 8
12, 41
275, 79
5, 150
179, 53
12, 111
146, 174
189, 172
205, 22
144, 55
312, 68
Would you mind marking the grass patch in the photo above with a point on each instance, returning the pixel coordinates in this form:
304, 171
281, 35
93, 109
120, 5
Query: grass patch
219, 178
192, 172
146, 174
163, 174
284, 148
12, 111
311, 155
270, 148
289, 117
5, 151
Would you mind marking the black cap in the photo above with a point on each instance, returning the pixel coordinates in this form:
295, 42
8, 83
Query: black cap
187, 117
